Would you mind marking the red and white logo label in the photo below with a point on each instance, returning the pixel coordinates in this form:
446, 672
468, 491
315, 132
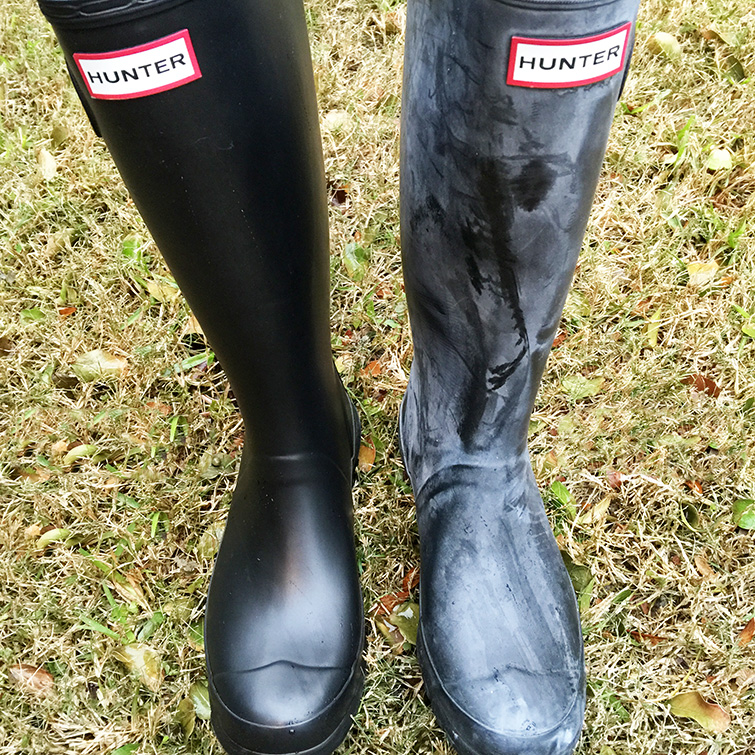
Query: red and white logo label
562, 63
139, 71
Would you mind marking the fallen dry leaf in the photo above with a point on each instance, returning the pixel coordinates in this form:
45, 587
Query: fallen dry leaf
144, 662
34, 474
703, 384
192, 327
704, 568
710, 716
98, 365
596, 513
579, 387
694, 485
372, 369
6, 346
32, 679
163, 292
336, 120
745, 636
411, 579
551, 461
52, 535
388, 603
81, 451
392, 634
47, 165
653, 639
59, 448
130, 592
719, 159
559, 339
665, 43
702, 273
366, 457
713, 34
390, 23
642, 307
614, 478
157, 406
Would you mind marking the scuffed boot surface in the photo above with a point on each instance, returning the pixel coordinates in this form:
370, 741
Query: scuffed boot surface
497, 184
500, 645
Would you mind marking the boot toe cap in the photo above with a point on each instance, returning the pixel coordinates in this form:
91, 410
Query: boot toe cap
284, 707
509, 712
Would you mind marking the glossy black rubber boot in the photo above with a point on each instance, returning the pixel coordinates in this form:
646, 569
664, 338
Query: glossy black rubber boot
506, 111
209, 111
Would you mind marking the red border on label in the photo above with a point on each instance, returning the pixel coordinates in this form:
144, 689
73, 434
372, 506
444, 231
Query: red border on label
183, 34
516, 41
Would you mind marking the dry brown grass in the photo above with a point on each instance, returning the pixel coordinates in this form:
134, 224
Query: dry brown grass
674, 581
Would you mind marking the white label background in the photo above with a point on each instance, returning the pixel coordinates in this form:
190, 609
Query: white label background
548, 51
160, 65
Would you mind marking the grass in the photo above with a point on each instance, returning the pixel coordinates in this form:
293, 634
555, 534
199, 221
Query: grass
672, 578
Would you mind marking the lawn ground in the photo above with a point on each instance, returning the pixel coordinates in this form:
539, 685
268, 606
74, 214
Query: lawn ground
113, 492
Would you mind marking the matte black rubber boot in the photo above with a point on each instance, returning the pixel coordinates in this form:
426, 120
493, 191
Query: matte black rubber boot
209, 111
506, 111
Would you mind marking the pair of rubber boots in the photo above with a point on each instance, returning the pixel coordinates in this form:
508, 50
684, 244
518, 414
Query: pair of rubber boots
209, 111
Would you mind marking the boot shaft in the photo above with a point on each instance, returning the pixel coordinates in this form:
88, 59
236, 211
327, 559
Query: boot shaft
498, 173
209, 112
